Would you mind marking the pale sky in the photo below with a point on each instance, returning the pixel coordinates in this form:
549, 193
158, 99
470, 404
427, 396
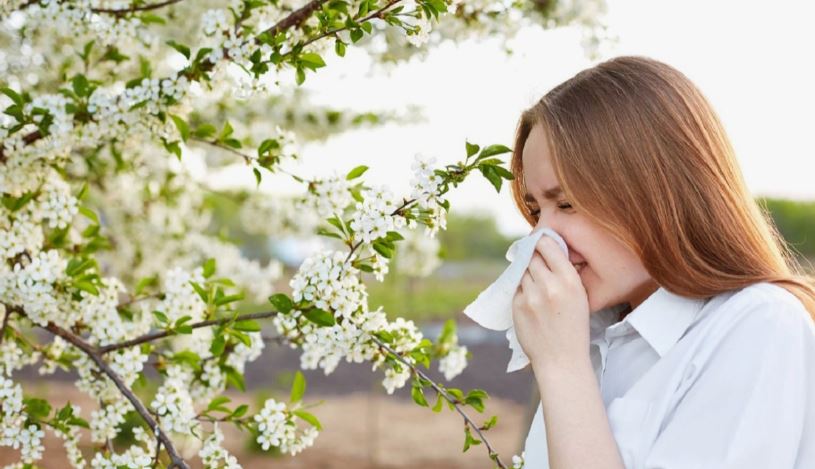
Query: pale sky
754, 61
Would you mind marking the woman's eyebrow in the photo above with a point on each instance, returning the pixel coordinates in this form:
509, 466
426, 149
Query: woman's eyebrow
552, 193
548, 194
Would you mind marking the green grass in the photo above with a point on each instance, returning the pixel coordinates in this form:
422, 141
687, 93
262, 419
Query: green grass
440, 296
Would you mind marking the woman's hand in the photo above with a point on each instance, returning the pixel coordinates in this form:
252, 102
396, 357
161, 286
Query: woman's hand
550, 309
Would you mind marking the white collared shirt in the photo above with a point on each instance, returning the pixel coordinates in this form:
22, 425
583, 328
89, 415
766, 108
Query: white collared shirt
723, 383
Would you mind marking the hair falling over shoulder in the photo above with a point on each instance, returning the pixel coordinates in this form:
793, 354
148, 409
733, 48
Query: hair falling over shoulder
639, 149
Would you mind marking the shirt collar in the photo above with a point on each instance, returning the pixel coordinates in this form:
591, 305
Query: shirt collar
660, 319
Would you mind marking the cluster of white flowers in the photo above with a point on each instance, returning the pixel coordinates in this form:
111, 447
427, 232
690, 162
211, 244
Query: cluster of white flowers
330, 282
101, 315
276, 427
406, 337
53, 205
329, 196
215, 21
31, 285
173, 403
70, 441
322, 279
13, 430
180, 298
213, 455
137, 456
375, 216
77, 18
106, 420
455, 361
518, 461
12, 356
425, 186
418, 23
425, 182
324, 347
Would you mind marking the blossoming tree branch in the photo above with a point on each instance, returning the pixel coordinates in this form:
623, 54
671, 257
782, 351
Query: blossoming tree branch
110, 264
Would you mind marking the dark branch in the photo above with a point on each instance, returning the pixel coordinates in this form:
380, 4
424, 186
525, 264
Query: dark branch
296, 18
93, 354
166, 333
135, 8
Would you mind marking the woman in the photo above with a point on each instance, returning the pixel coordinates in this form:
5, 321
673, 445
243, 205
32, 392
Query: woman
678, 332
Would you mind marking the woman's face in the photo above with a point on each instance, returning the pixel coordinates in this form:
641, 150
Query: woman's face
612, 274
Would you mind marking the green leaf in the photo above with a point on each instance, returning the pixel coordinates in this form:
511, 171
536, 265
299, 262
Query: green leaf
312, 60
148, 18
89, 214
319, 317
308, 417
492, 176
182, 126
161, 317
205, 131
37, 409
356, 35
472, 148
258, 176
81, 86
188, 357
87, 287
503, 172
339, 48
281, 302
247, 325
490, 423
439, 402
394, 236
145, 282
298, 387
200, 290
218, 345
382, 249
226, 131
18, 100
356, 172
239, 411
209, 267
469, 440
417, 393
218, 403
493, 150
475, 399
234, 378
300, 76
184, 50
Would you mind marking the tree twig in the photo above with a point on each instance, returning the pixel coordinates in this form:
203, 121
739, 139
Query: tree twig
149, 337
445, 395
175, 460
135, 8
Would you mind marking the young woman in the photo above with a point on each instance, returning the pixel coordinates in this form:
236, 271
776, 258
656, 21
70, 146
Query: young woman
678, 332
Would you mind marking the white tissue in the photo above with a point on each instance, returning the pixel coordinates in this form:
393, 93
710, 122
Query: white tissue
492, 308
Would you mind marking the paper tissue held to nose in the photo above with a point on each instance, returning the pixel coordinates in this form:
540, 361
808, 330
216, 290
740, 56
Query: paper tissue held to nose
492, 308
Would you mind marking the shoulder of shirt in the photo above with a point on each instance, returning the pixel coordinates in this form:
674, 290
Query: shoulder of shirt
765, 304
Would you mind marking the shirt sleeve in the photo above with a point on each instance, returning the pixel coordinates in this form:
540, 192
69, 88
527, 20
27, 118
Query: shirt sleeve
750, 404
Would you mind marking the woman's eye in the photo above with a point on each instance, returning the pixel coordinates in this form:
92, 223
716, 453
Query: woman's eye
565, 206
534, 212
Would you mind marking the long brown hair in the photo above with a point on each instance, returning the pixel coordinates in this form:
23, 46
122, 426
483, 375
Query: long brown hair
638, 149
